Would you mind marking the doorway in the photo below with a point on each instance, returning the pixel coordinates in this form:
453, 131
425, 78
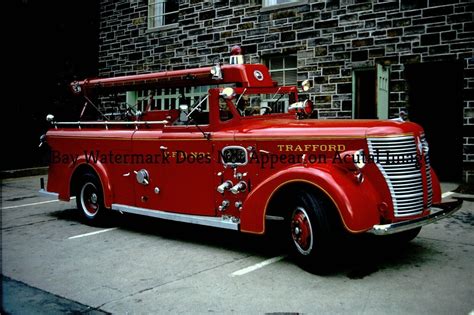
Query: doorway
365, 106
435, 102
370, 88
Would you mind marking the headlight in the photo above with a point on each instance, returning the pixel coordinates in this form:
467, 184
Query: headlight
305, 85
216, 72
353, 161
359, 159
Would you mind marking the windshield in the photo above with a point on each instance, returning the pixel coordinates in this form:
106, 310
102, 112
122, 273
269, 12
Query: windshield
249, 102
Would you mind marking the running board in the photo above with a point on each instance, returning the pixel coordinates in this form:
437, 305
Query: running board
219, 222
49, 194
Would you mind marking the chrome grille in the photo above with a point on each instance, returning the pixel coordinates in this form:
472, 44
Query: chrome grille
397, 161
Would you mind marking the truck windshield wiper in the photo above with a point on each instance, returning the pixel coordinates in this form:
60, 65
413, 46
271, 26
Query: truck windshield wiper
198, 107
278, 99
238, 100
88, 101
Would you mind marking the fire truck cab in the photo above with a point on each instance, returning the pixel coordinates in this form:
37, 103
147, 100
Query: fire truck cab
243, 152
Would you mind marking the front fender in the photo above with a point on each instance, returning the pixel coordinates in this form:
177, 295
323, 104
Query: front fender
436, 187
357, 203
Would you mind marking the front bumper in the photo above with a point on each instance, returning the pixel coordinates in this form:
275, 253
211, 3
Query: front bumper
445, 209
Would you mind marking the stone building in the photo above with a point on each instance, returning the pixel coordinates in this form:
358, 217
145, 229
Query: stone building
366, 59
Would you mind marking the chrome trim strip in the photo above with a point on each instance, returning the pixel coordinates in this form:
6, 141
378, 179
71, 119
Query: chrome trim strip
274, 218
47, 193
187, 218
446, 209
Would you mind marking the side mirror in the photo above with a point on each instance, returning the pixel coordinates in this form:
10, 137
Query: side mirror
183, 113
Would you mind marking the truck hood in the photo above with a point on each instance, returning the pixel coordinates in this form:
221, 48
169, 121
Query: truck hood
287, 127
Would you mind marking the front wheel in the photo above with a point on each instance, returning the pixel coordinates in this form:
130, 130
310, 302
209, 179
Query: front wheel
302, 231
313, 230
89, 199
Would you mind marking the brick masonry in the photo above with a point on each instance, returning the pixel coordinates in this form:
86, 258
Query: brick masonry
330, 39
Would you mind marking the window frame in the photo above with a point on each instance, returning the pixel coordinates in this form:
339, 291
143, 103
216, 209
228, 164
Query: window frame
152, 17
284, 69
268, 5
267, 61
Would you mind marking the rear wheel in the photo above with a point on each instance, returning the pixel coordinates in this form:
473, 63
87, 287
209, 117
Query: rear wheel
313, 230
89, 199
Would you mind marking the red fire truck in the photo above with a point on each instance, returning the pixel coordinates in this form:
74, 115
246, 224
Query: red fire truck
226, 146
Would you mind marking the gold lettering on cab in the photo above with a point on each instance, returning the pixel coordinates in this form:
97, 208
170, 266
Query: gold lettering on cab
311, 147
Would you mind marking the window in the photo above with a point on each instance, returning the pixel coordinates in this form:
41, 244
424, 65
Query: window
283, 69
267, 3
162, 12
166, 98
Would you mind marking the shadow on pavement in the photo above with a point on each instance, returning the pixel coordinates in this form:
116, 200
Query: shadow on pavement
357, 257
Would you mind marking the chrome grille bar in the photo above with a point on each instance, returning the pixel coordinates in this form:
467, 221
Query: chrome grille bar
397, 160
429, 184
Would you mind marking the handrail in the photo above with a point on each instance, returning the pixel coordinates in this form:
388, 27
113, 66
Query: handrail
79, 123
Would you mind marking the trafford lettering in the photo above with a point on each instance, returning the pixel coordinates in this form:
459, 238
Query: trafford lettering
311, 147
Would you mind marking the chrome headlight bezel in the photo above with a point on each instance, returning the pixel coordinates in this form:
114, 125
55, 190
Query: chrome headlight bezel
359, 159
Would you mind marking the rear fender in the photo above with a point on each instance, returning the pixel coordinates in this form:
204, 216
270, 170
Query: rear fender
355, 202
100, 170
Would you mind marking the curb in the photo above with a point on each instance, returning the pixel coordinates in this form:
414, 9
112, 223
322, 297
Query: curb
24, 172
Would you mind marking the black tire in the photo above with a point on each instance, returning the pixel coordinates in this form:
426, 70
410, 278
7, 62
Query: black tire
90, 199
314, 230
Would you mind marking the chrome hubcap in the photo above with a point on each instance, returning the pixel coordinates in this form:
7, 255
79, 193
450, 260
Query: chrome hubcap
89, 200
301, 231
94, 198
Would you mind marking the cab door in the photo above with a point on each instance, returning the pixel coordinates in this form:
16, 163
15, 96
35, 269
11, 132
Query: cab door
235, 172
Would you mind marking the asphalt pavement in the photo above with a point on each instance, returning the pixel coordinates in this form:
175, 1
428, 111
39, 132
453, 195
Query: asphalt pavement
53, 263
